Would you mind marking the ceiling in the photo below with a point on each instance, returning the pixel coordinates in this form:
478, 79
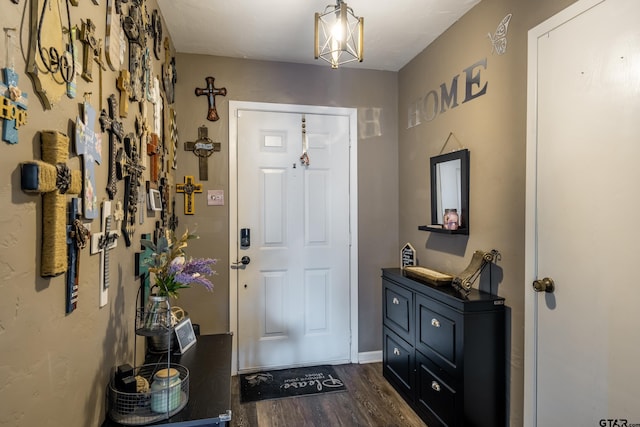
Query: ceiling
282, 30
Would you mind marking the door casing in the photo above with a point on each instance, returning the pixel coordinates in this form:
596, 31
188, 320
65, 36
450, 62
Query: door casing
234, 107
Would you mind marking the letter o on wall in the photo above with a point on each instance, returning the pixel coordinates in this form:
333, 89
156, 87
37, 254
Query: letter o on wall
430, 106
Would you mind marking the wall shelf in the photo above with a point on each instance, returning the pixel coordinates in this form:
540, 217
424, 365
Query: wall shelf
464, 231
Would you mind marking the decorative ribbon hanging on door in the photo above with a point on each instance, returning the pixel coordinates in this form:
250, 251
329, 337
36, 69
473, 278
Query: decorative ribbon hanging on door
304, 158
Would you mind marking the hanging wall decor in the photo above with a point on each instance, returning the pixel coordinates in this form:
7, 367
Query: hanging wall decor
124, 85
153, 151
142, 268
89, 146
203, 147
101, 243
77, 237
13, 101
210, 91
134, 29
499, 38
72, 84
173, 134
169, 73
52, 178
156, 34
113, 35
189, 189
110, 124
130, 170
50, 65
91, 48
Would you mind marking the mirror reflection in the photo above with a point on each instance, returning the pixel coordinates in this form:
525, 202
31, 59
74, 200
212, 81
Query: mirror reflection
450, 191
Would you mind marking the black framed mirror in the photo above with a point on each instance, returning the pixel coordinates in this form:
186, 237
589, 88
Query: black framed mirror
450, 193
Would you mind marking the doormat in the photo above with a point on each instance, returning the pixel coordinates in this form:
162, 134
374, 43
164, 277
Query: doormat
289, 383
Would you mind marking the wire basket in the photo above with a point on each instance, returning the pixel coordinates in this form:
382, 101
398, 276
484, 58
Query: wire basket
147, 407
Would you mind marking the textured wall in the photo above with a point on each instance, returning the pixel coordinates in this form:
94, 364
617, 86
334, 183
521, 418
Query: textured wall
54, 368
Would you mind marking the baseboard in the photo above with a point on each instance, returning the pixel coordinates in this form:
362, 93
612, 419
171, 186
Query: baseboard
370, 357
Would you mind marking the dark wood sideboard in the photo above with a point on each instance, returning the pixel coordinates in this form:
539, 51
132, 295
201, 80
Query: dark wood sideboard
444, 354
209, 364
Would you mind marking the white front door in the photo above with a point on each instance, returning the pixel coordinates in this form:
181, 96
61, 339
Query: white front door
583, 195
294, 295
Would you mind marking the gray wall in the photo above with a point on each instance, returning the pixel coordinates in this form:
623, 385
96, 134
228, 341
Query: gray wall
285, 83
493, 128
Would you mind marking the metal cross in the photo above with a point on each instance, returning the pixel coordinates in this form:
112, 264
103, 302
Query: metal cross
211, 92
110, 123
203, 147
129, 168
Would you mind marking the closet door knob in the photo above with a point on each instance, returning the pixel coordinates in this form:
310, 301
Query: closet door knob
396, 301
435, 323
435, 385
396, 351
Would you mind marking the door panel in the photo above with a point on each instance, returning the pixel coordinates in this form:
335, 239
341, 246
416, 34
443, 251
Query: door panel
588, 106
293, 297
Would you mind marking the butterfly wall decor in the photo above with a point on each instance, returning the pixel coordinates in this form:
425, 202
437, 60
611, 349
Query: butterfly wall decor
499, 38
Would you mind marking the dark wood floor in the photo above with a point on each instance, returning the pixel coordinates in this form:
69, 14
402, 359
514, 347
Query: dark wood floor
369, 401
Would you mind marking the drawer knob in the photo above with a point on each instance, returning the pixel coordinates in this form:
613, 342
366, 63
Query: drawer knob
396, 351
435, 323
435, 385
396, 301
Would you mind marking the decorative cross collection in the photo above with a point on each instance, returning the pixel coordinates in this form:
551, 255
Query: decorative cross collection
189, 188
211, 92
110, 123
203, 147
101, 243
52, 178
89, 146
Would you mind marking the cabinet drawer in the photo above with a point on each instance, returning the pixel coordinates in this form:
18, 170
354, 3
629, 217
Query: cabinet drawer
438, 330
398, 357
398, 310
436, 393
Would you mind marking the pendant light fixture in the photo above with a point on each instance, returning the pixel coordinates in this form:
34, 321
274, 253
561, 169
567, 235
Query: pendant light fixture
338, 35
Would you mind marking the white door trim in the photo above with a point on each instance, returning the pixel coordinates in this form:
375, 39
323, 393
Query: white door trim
234, 106
530, 300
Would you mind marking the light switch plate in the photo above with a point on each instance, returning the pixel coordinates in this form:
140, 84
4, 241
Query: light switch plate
215, 197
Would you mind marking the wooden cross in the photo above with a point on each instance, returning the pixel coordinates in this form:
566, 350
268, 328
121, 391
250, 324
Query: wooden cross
91, 48
189, 188
211, 92
124, 84
101, 243
130, 169
13, 106
153, 151
52, 178
142, 269
157, 106
203, 147
77, 236
110, 123
89, 146
173, 135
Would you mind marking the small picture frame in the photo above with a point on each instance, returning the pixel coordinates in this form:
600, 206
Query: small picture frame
155, 200
185, 335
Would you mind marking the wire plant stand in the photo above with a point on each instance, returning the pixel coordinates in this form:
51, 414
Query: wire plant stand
161, 400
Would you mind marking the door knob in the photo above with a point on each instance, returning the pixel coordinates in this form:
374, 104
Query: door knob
544, 285
244, 261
